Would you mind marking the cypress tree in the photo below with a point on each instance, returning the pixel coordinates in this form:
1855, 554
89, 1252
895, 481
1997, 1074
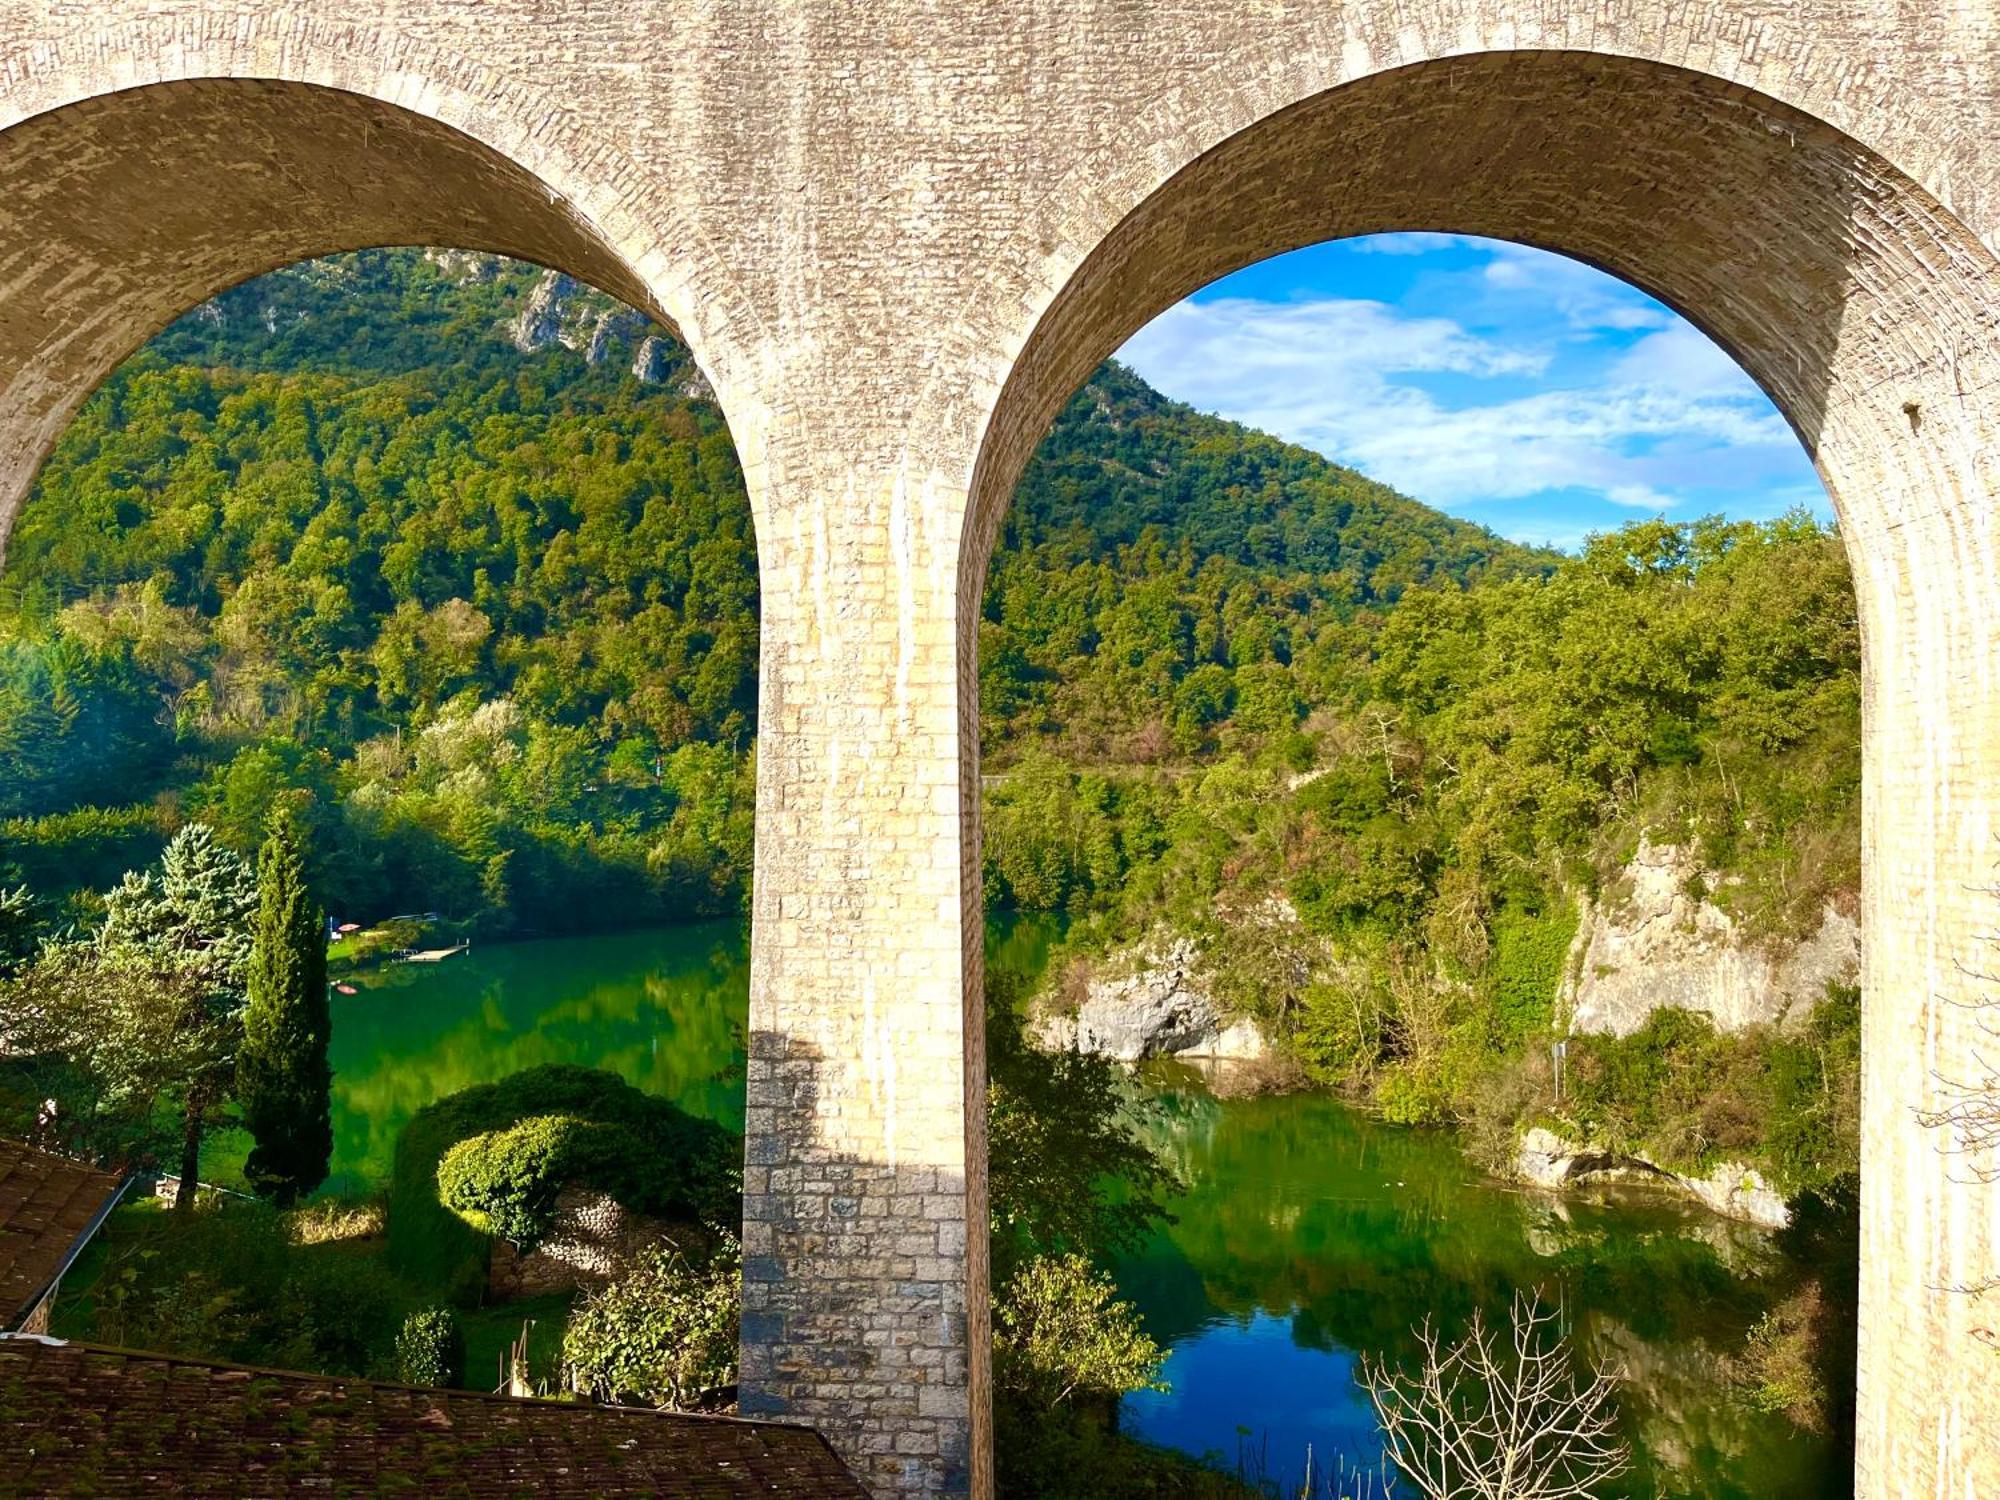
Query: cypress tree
283, 1081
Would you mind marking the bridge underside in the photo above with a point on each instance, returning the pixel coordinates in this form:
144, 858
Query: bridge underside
895, 245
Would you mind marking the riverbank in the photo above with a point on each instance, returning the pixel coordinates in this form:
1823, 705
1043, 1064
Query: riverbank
1313, 1234
1313, 1230
1740, 1115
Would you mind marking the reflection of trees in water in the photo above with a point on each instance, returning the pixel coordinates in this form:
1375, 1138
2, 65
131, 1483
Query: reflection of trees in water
663, 1009
1300, 1207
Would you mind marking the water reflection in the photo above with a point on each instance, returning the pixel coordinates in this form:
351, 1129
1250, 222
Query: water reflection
1312, 1234
664, 1009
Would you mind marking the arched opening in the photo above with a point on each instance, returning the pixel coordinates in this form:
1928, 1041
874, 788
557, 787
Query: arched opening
1852, 299
128, 208
448, 552
1354, 813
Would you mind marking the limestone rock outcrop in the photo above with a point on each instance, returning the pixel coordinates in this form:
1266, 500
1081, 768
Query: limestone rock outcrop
1154, 1002
1731, 1189
561, 311
1662, 943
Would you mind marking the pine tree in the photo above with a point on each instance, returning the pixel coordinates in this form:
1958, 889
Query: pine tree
283, 1081
189, 921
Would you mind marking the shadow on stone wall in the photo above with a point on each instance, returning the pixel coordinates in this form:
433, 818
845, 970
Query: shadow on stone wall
854, 1286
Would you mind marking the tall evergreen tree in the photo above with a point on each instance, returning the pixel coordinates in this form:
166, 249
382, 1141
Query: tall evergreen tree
189, 923
283, 1081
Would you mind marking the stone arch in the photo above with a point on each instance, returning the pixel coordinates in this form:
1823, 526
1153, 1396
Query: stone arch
1871, 313
219, 153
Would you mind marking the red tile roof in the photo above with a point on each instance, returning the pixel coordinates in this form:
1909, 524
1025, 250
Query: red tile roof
83, 1420
49, 1206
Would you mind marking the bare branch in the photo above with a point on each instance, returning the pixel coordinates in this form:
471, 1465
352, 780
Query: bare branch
1499, 1417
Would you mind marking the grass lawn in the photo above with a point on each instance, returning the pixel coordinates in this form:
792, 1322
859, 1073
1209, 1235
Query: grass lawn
489, 1331
260, 1276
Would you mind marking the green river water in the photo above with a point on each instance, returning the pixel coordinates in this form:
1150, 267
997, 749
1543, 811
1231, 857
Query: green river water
1311, 1233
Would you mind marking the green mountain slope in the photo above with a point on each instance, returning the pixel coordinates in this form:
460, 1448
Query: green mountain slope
459, 551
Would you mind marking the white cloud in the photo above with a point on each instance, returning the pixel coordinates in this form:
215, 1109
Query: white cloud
1415, 242
1639, 497
1192, 342
1388, 393
1588, 300
1681, 358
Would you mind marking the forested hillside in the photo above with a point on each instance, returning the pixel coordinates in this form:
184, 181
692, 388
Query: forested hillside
454, 557
458, 553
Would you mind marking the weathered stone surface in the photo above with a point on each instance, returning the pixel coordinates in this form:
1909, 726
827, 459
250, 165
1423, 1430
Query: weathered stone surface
1730, 1189
1153, 1002
1660, 945
896, 236
593, 1238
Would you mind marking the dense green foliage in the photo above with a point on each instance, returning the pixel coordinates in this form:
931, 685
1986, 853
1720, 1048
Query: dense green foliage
430, 1348
652, 1158
663, 1334
1677, 1090
183, 928
230, 1280
1392, 887
491, 614
119, 1044
1069, 1170
283, 1081
1074, 1181
1059, 1334
645, 1151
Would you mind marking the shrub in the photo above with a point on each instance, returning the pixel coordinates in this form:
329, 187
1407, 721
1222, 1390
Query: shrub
1813, 1080
1067, 1454
1502, 1414
430, 1350
1068, 1168
664, 1333
1529, 951
505, 1182
691, 1167
1685, 1095
1060, 1333
227, 1281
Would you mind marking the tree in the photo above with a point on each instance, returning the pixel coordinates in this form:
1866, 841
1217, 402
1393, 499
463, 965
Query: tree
283, 1081
189, 922
19, 918
1060, 1332
664, 1332
430, 1348
1068, 1171
113, 1040
1499, 1417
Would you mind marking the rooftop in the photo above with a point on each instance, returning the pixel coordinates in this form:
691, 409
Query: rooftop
88, 1420
49, 1207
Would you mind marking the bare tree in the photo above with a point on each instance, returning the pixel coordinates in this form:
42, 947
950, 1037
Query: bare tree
1499, 1415
1969, 1109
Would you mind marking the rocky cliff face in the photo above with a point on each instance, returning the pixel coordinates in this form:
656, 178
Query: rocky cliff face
1660, 943
561, 311
1153, 1002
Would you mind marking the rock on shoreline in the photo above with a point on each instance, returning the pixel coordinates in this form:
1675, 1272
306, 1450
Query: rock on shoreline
1731, 1189
1158, 1004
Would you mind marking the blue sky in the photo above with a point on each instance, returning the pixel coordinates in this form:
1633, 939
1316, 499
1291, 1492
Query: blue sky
1509, 386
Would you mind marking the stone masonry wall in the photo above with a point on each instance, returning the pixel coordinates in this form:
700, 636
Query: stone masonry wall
896, 234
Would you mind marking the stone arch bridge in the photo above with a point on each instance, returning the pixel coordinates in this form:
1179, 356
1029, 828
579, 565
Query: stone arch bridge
897, 234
